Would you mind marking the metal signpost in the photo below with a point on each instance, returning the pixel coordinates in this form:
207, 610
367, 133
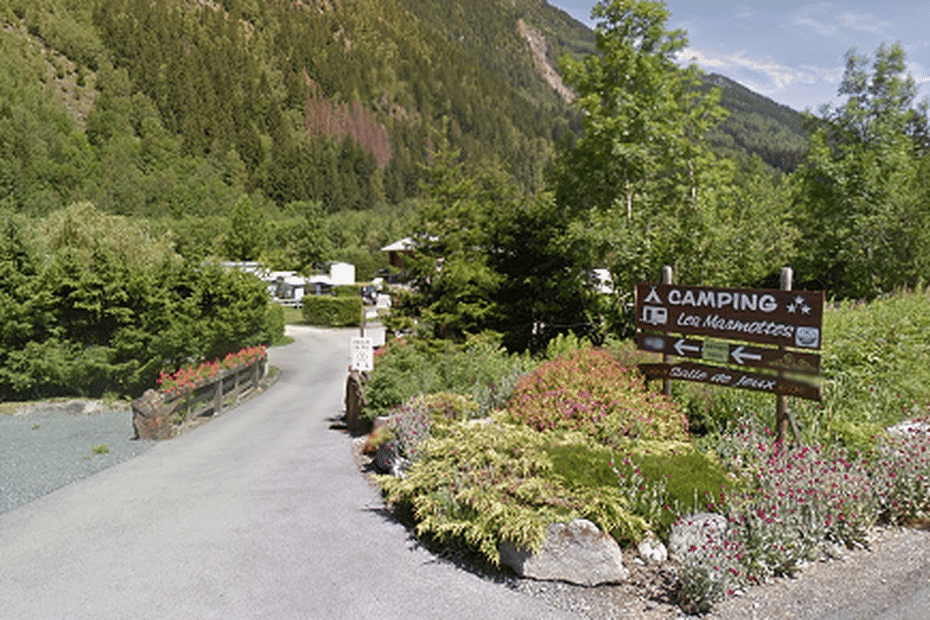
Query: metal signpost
778, 332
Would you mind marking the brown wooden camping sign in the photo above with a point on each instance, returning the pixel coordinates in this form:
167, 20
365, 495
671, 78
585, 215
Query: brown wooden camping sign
734, 322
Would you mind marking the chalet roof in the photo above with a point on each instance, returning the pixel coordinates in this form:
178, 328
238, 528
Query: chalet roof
404, 245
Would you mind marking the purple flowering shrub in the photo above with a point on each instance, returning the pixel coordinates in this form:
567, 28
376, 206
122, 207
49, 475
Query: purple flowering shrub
588, 390
803, 501
900, 466
413, 423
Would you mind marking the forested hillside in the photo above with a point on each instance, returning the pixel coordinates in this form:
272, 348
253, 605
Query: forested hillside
173, 109
528, 149
758, 125
332, 102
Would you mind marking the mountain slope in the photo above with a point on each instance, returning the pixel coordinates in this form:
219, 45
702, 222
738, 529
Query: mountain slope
176, 107
758, 125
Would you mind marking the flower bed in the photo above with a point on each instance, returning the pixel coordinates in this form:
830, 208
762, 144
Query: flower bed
196, 376
804, 500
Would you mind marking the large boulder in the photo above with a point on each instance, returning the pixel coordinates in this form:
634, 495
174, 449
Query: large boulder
149, 418
576, 552
694, 531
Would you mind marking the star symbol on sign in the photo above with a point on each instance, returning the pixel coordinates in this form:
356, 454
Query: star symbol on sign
798, 304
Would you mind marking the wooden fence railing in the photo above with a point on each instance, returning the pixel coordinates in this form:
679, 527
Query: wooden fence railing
157, 415
208, 394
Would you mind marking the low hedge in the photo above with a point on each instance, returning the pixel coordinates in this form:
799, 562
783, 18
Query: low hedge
332, 311
348, 290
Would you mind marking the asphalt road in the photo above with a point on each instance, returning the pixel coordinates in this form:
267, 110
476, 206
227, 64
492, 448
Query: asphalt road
260, 513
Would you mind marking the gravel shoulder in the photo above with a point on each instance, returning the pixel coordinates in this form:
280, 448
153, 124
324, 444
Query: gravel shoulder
48, 445
890, 579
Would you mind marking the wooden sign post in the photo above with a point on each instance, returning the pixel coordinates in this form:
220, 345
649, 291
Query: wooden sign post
778, 332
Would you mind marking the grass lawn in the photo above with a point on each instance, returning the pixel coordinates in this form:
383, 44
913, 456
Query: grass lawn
293, 316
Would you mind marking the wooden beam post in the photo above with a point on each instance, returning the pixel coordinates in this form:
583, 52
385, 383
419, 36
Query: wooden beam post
781, 404
218, 402
667, 278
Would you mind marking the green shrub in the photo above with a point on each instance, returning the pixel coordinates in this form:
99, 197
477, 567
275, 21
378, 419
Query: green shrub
661, 479
332, 311
401, 371
617, 497
589, 391
483, 369
564, 344
448, 407
479, 483
413, 422
407, 367
483, 483
93, 304
274, 324
348, 290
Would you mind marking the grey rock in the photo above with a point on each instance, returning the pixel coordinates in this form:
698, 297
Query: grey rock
576, 552
651, 550
399, 467
695, 531
908, 429
385, 457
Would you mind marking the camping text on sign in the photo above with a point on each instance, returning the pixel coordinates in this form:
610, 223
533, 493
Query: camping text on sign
787, 319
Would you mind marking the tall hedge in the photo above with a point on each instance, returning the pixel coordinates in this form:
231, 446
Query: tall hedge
93, 304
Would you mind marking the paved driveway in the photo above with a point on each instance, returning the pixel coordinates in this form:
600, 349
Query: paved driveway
260, 513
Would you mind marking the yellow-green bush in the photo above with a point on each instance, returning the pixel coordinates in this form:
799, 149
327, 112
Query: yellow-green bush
482, 483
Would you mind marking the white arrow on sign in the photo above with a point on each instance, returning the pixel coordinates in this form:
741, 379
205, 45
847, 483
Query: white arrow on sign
739, 354
681, 347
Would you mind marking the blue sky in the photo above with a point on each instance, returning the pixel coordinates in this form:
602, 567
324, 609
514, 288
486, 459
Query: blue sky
789, 50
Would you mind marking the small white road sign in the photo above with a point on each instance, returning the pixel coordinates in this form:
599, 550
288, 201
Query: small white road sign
363, 356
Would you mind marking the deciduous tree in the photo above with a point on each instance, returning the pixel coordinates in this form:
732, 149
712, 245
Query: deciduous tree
863, 201
643, 188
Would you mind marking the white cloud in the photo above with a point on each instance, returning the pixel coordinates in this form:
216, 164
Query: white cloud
769, 77
777, 75
829, 20
919, 72
811, 24
864, 22
822, 75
